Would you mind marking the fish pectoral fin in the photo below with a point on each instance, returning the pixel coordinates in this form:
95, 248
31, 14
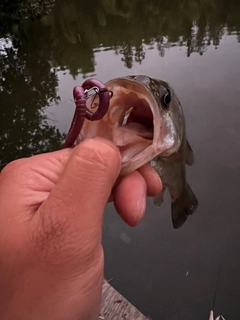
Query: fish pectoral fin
189, 154
158, 200
183, 206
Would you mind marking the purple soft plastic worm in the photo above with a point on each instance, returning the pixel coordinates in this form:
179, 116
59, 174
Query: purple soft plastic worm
82, 112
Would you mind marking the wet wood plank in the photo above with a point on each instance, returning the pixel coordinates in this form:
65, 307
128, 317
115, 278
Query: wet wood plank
116, 307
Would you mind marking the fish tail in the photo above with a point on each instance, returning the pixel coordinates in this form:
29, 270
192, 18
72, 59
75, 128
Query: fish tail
183, 206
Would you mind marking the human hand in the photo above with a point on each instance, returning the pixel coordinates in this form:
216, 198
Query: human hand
51, 213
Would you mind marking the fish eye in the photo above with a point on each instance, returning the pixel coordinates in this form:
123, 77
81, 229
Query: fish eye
167, 99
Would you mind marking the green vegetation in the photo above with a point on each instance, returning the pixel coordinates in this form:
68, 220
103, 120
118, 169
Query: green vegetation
24, 91
12, 11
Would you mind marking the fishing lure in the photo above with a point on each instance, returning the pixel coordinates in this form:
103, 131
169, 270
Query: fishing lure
80, 94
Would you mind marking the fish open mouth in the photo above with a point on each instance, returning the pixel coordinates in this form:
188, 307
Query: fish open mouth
132, 123
138, 113
133, 128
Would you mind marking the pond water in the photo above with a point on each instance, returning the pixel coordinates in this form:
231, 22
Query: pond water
195, 46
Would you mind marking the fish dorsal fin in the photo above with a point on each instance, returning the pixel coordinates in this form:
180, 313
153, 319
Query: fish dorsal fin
189, 154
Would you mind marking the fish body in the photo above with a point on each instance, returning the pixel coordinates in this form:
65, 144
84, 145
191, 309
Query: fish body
146, 121
172, 171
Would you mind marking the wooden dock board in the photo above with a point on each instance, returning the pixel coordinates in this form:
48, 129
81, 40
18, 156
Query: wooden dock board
116, 307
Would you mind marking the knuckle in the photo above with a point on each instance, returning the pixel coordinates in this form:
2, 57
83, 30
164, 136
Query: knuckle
98, 154
11, 168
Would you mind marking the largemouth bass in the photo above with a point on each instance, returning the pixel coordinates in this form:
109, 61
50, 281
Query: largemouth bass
146, 121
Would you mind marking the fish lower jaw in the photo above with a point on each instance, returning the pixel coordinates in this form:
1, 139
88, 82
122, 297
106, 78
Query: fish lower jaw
132, 163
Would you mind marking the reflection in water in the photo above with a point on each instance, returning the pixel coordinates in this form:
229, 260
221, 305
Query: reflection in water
73, 39
24, 92
20, 10
197, 25
32, 52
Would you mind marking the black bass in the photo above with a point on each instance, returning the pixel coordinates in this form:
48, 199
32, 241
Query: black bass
146, 121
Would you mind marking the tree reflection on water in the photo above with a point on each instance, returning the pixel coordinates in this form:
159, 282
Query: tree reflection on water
38, 39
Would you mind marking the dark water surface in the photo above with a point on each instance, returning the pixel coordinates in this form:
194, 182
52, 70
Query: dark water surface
195, 46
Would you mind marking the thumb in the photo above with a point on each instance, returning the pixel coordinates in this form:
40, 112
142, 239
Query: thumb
89, 176
76, 204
